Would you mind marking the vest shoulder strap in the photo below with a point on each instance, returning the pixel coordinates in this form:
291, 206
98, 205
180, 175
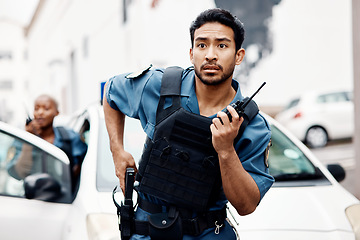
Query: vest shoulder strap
170, 87
171, 81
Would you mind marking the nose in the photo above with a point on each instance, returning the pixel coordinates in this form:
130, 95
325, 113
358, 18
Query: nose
39, 111
211, 54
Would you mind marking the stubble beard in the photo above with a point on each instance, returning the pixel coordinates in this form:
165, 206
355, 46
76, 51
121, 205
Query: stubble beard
211, 79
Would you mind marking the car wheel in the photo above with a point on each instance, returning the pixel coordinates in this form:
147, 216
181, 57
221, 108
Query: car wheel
316, 137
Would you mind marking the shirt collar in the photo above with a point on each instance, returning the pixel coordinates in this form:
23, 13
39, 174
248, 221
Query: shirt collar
188, 89
57, 141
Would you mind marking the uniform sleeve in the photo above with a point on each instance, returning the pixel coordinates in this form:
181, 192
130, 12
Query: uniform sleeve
251, 150
136, 97
125, 94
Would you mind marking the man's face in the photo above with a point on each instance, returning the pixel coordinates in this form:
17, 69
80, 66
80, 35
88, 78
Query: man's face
44, 111
214, 54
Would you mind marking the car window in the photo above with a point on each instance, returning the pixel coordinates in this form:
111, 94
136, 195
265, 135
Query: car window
287, 161
293, 103
333, 97
20, 159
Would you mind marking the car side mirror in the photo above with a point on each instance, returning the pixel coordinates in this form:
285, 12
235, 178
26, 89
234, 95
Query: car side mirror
337, 171
42, 186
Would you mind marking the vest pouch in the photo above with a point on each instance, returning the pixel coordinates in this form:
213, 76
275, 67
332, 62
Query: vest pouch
181, 167
172, 177
165, 226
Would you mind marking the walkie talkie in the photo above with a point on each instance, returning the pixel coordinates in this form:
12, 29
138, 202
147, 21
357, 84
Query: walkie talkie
240, 106
28, 120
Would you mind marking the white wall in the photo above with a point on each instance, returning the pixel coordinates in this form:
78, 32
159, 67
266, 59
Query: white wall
312, 50
151, 35
12, 71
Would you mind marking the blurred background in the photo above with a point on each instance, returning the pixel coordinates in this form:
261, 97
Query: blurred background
67, 48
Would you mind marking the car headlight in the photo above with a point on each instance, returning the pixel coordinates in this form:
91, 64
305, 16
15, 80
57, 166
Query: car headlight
353, 214
102, 226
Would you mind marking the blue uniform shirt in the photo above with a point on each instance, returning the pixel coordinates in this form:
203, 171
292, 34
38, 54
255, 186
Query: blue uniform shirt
78, 147
138, 98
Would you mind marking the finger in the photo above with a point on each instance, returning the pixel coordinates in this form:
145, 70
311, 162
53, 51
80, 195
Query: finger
122, 184
213, 127
234, 114
223, 117
216, 122
241, 120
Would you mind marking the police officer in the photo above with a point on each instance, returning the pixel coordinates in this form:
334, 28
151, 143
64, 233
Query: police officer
45, 110
207, 88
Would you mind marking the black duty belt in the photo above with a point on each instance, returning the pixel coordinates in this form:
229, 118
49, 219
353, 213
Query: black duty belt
190, 226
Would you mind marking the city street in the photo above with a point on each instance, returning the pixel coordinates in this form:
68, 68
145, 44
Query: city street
341, 152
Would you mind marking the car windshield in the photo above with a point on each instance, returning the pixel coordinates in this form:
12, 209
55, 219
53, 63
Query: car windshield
287, 162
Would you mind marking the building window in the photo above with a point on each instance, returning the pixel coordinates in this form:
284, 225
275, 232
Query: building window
5, 55
6, 84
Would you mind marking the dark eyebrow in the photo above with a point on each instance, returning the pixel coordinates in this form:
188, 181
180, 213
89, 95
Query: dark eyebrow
200, 39
218, 39
223, 40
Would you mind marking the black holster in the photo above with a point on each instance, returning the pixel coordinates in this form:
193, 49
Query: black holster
125, 213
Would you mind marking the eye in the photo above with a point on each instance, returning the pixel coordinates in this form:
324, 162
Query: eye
222, 45
201, 45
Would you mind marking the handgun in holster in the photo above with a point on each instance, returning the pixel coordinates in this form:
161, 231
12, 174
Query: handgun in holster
125, 210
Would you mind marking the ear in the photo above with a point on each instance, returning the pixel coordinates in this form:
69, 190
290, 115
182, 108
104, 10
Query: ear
191, 53
240, 54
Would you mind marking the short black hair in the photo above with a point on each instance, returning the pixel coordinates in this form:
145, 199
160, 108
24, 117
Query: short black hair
221, 16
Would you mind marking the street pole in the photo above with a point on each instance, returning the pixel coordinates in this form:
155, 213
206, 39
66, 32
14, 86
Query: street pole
356, 70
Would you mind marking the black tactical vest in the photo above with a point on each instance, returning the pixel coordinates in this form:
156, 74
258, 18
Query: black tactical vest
180, 165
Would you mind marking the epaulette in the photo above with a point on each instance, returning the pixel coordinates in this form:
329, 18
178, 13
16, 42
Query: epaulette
138, 73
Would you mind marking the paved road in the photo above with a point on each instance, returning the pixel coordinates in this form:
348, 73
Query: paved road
341, 152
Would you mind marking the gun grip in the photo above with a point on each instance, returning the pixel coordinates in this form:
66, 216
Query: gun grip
129, 183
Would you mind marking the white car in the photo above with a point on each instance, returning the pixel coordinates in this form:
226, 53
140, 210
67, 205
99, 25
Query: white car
306, 202
317, 117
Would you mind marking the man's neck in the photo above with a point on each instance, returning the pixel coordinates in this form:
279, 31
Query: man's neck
213, 98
